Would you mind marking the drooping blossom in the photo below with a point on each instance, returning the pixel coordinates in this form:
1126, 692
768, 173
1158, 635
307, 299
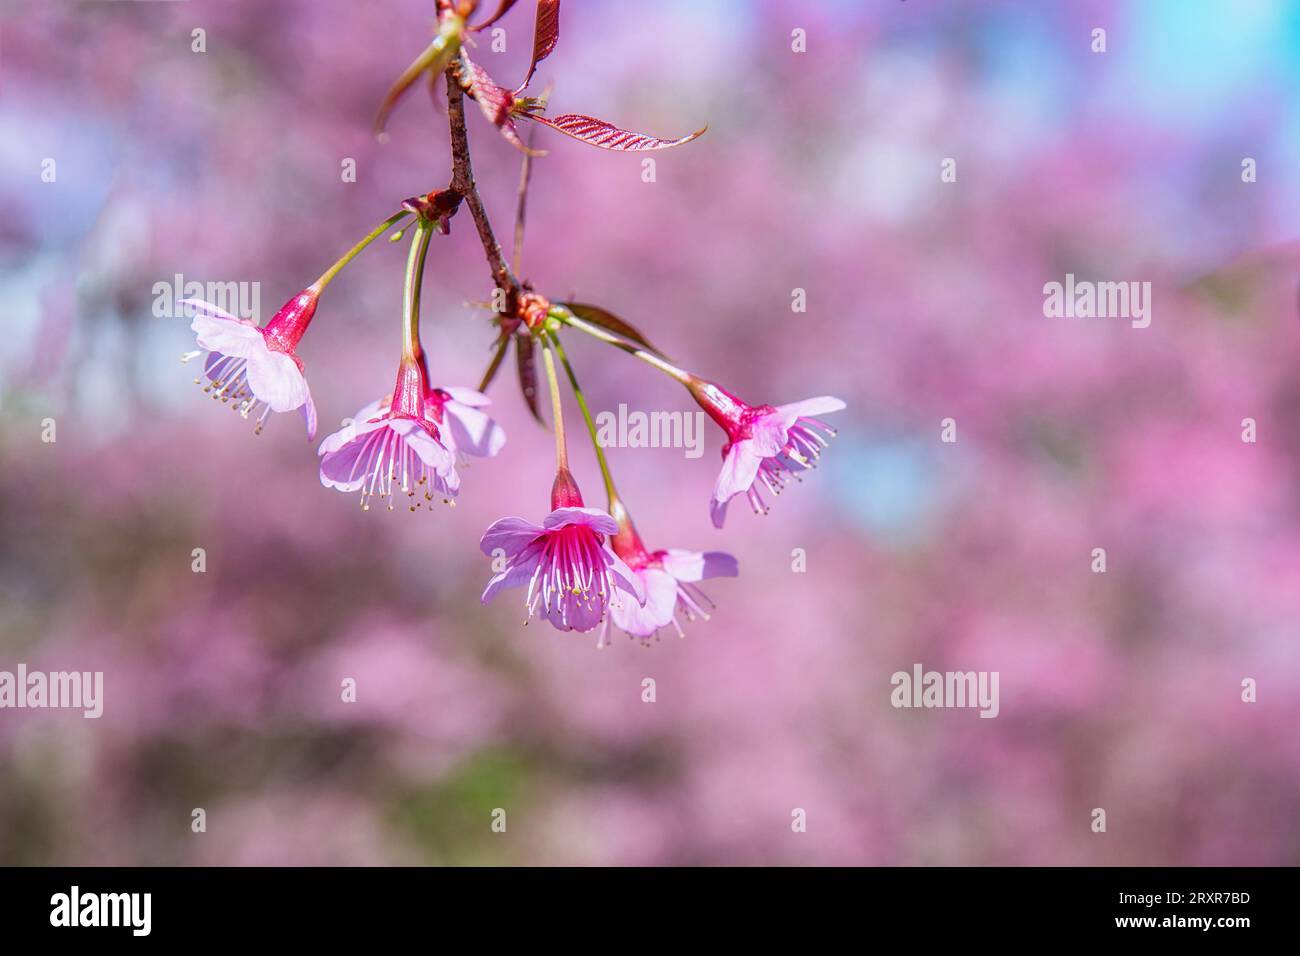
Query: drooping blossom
668, 578
463, 427
394, 448
573, 578
766, 446
255, 371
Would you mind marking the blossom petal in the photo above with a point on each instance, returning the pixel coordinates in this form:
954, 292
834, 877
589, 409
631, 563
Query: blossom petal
309, 416
211, 310
595, 519
511, 535
468, 396
342, 456
275, 379
739, 468
657, 612
373, 410
717, 512
448, 482
515, 574
429, 450
696, 566
625, 577
474, 432
769, 433
810, 406
229, 336
336, 440
575, 613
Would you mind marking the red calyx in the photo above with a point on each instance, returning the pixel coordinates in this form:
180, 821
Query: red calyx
409, 392
565, 493
286, 328
627, 543
732, 414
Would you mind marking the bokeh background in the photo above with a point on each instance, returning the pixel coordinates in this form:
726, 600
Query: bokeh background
820, 171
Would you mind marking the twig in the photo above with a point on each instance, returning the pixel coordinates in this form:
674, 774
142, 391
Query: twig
462, 183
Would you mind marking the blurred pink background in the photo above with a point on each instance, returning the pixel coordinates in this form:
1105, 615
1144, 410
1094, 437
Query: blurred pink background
820, 171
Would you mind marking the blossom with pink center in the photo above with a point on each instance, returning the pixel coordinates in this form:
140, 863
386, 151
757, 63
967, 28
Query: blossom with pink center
572, 576
392, 447
255, 370
464, 428
668, 578
766, 446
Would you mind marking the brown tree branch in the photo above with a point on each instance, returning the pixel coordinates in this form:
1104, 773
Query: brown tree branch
462, 184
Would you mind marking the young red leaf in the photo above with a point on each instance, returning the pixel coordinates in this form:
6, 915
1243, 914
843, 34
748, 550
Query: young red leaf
502, 9
607, 136
495, 101
611, 323
545, 35
525, 353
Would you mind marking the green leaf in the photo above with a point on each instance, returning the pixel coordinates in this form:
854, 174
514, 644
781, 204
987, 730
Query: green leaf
503, 343
611, 323
435, 58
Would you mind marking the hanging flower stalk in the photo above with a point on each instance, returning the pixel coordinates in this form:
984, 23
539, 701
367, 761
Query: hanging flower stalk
581, 568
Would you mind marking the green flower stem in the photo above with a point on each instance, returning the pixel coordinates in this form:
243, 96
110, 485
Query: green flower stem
557, 413
597, 332
411, 288
610, 491
351, 254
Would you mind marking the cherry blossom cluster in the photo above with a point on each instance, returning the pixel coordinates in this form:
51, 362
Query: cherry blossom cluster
580, 567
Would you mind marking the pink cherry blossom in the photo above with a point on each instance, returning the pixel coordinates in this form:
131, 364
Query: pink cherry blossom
470, 429
572, 576
668, 578
392, 446
464, 428
766, 446
255, 370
